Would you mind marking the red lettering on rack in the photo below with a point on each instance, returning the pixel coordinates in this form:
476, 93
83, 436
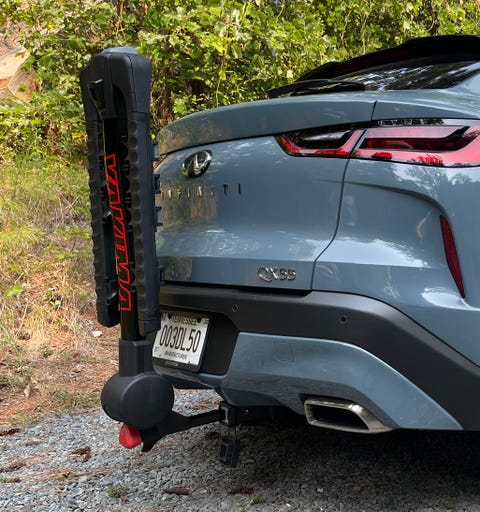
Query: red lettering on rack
119, 233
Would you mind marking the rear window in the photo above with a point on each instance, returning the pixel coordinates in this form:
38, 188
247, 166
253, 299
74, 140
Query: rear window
407, 76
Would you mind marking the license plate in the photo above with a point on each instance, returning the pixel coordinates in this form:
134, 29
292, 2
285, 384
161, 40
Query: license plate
181, 339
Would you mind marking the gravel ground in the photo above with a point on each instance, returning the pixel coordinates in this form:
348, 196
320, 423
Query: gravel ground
73, 463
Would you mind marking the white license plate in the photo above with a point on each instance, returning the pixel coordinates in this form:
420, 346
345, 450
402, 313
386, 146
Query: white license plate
181, 339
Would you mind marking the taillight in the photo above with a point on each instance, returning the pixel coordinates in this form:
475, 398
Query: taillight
451, 254
439, 145
319, 143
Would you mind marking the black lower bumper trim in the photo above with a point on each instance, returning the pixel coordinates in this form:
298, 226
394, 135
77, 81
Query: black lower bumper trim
449, 378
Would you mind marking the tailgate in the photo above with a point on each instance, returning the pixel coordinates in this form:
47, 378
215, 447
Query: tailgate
255, 216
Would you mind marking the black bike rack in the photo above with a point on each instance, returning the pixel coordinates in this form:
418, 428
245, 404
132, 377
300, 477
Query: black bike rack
115, 89
116, 97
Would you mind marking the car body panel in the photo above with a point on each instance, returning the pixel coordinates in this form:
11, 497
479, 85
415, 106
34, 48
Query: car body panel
398, 256
374, 314
428, 104
378, 329
265, 117
260, 362
238, 225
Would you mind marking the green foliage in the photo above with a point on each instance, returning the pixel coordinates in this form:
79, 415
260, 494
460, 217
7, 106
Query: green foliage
14, 290
60, 38
117, 491
205, 53
355, 27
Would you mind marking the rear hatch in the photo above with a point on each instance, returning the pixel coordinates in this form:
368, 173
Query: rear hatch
237, 209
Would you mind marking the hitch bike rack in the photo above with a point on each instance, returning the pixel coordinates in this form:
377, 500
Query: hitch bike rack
115, 89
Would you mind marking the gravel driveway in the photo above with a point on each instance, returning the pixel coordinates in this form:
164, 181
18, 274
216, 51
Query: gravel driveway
74, 463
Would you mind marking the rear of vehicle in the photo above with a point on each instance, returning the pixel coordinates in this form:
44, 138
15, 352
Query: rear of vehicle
321, 248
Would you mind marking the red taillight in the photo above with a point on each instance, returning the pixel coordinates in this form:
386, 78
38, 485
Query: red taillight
439, 145
319, 143
451, 254
445, 145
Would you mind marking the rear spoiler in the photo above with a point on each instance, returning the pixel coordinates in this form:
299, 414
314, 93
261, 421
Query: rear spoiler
448, 47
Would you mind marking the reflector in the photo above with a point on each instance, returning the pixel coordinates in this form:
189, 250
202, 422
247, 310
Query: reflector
129, 437
451, 254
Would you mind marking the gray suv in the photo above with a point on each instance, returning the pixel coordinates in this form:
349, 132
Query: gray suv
320, 249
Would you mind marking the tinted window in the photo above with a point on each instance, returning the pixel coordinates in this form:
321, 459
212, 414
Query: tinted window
406, 76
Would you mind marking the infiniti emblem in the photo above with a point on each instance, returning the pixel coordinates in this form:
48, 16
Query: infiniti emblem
196, 164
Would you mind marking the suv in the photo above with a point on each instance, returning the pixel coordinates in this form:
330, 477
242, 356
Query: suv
321, 248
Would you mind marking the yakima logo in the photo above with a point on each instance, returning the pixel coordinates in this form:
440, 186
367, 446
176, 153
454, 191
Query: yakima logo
270, 274
119, 233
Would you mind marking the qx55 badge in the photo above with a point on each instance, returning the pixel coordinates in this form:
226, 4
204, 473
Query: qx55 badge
270, 274
196, 164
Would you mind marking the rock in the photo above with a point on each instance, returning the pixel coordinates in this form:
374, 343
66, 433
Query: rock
12, 74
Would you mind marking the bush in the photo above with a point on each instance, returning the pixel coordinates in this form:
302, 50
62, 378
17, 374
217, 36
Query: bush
205, 53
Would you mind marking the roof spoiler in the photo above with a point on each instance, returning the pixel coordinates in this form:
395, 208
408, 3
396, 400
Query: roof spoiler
451, 45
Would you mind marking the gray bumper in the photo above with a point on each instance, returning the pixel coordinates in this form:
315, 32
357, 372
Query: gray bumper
279, 349
279, 370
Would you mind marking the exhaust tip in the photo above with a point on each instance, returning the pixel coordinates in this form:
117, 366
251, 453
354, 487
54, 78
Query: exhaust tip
338, 414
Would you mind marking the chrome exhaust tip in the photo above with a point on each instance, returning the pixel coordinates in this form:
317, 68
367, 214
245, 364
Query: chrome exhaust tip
343, 415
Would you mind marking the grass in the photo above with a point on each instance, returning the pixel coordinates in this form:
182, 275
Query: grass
75, 357
45, 273
18, 375
66, 400
50, 361
254, 500
28, 419
117, 491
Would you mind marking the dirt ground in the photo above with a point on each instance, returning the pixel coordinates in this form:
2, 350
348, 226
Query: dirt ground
69, 375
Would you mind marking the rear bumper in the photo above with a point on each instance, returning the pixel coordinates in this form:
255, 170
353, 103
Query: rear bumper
269, 349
